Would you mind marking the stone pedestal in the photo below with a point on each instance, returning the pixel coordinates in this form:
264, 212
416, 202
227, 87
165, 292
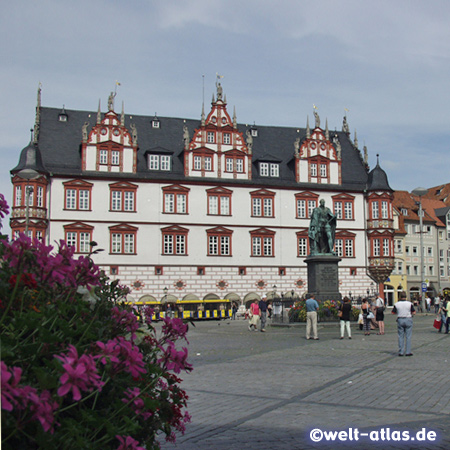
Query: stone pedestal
323, 277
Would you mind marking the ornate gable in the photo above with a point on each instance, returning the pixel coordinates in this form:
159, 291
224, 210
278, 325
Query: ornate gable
217, 149
109, 146
316, 160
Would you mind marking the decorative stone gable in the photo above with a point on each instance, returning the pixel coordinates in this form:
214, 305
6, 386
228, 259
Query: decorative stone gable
317, 160
109, 146
217, 149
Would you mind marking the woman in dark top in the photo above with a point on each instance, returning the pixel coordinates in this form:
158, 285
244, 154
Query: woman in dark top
346, 309
365, 309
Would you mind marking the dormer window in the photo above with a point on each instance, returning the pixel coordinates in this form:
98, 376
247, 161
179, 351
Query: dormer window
404, 212
210, 137
269, 169
156, 123
254, 132
63, 117
159, 162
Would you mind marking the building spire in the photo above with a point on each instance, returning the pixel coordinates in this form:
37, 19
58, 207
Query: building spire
327, 133
99, 113
37, 122
308, 131
234, 118
203, 115
356, 140
122, 116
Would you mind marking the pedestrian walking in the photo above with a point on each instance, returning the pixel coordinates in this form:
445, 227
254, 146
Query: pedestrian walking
345, 311
405, 312
234, 309
254, 316
445, 317
311, 316
263, 313
367, 316
379, 314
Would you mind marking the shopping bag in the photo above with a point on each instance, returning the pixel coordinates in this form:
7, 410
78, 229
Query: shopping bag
437, 323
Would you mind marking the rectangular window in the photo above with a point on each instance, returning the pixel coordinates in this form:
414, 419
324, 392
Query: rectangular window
226, 138
103, 157
165, 162
376, 247
256, 208
274, 170
71, 239
128, 243
39, 197
323, 170
128, 201
115, 158
153, 162
386, 246
181, 203
302, 247
18, 196
169, 203
339, 247
348, 210
213, 245
313, 169
264, 169
116, 201
430, 251
174, 244
311, 205
197, 163
256, 246
208, 163
398, 246
239, 165
267, 242
213, 204
210, 137
180, 247
168, 244
349, 248
84, 199
224, 206
301, 209
71, 199
85, 239
375, 210
225, 245
384, 210
229, 164
268, 207
116, 243
338, 210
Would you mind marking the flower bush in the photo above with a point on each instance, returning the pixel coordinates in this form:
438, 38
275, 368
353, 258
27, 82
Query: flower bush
78, 370
328, 310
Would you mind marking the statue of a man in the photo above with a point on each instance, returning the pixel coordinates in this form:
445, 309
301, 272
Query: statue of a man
322, 230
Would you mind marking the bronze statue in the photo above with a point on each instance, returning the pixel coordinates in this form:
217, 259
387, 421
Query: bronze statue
322, 230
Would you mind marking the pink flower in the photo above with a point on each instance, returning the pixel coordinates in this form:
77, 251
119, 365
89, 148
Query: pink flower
124, 356
80, 374
128, 443
174, 328
175, 360
126, 319
132, 397
9, 383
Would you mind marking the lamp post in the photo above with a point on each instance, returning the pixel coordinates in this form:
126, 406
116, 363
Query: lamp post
420, 192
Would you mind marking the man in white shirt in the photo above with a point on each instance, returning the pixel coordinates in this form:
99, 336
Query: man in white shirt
404, 310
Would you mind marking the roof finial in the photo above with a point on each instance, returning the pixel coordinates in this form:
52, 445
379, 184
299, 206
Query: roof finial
37, 122
327, 133
203, 115
219, 87
378, 159
366, 155
356, 140
317, 118
345, 127
234, 118
122, 116
99, 113
308, 131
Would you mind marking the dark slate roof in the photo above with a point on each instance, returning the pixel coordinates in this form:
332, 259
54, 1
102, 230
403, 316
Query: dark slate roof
378, 180
60, 146
30, 159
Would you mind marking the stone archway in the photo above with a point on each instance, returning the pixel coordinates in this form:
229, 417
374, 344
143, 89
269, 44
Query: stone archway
248, 299
211, 296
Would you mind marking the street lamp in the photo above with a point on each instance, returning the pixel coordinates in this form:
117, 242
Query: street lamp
420, 192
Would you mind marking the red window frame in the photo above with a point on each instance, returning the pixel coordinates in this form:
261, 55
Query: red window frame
219, 232
379, 200
78, 228
262, 233
346, 236
174, 231
261, 195
302, 235
202, 153
343, 199
122, 187
77, 186
123, 230
306, 197
109, 147
219, 192
175, 190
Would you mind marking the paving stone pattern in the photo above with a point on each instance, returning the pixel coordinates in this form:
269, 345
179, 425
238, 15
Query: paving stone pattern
252, 390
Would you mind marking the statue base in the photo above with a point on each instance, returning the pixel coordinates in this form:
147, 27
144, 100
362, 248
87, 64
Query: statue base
323, 276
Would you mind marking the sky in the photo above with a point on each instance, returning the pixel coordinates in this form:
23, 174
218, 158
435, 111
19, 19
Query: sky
384, 63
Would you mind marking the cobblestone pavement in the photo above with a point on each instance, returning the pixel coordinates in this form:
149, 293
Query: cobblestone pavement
268, 390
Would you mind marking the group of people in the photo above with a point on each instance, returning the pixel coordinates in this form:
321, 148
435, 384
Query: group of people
258, 313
